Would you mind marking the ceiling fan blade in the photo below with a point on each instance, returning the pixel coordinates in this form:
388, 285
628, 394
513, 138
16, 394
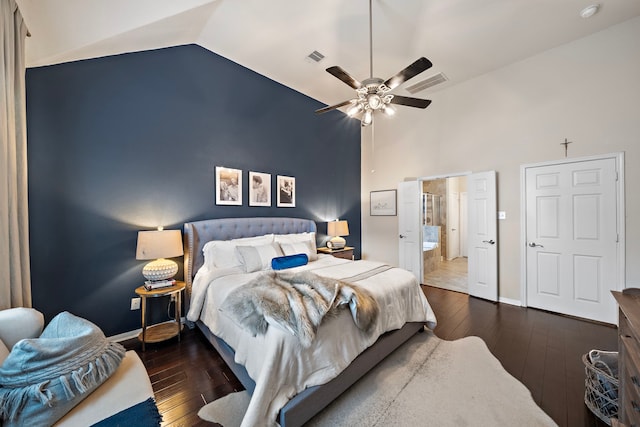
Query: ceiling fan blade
344, 76
411, 71
410, 102
333, 107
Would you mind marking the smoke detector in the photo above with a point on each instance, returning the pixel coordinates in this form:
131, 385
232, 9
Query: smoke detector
589, 11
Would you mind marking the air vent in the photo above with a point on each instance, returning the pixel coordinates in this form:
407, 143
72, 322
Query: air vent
316, 56
429, 82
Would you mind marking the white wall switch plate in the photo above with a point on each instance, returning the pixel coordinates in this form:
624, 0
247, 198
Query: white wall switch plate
135, 303
502, 215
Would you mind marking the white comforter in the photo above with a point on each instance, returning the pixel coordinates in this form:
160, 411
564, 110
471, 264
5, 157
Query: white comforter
276, 361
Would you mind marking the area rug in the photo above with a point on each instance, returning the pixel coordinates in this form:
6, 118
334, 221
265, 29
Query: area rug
425, 382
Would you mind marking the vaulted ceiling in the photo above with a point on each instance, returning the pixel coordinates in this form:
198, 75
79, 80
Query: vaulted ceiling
463, 38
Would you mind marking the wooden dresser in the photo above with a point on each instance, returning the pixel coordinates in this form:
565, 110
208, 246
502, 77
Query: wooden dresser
629, 356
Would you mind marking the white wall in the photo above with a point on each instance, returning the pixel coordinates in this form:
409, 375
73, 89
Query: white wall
587, 91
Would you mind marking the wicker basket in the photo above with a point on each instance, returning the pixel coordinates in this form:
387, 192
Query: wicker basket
601, 383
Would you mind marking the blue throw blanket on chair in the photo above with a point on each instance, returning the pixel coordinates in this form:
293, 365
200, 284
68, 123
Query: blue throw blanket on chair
43, 378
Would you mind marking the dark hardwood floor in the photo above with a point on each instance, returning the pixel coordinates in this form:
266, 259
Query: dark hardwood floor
542, 350
185, 376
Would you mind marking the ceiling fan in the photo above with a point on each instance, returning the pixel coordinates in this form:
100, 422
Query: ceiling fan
372, 94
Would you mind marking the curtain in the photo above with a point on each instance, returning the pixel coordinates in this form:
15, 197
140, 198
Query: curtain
15, 277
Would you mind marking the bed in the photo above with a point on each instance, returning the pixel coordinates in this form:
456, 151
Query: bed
289, 384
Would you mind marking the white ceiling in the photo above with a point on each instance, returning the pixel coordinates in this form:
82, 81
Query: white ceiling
463, 38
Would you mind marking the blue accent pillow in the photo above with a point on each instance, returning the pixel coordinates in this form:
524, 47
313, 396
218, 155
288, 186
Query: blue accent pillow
289, 261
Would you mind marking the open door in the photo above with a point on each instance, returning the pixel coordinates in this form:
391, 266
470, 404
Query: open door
409, 230
482, 235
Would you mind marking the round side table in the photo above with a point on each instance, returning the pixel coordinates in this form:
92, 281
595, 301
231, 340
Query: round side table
166, 330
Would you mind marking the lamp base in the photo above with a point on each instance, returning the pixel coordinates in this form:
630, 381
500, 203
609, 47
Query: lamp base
336, 242
160, 269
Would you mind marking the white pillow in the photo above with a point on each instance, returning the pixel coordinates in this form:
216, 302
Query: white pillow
256, 258
297, 238
299, 248
222, 253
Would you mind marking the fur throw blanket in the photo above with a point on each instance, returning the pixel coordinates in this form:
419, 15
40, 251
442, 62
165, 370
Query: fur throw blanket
297, 303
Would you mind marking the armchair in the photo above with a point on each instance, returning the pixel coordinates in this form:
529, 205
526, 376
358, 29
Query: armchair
128, 386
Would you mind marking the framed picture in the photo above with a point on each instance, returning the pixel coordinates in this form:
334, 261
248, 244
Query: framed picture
228, 186
286, 187
259, 189
383, 203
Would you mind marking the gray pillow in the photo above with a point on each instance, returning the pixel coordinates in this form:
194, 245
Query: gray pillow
44, 378
256, 258
300, 248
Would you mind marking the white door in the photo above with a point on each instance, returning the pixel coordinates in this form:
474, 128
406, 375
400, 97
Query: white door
571, 238
464, 235
409, 229
483, 235
453, 225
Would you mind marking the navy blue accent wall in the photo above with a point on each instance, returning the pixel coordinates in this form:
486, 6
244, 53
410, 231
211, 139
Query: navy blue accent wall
130, 142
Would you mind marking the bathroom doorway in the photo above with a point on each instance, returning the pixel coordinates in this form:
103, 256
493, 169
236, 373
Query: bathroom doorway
444, 232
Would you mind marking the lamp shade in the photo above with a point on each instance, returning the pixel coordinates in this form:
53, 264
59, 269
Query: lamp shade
338, 228
335, 229
157, 245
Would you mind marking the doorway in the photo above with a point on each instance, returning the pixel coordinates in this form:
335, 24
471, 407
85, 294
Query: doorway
444, 233
482, 234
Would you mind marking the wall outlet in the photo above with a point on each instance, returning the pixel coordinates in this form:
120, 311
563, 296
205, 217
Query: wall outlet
135, 303
502, 215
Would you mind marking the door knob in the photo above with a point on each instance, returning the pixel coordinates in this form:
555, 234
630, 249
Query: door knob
491, 242
533, 245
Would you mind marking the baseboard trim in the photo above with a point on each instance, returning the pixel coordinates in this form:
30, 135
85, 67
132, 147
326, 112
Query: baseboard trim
510, 301
125, 336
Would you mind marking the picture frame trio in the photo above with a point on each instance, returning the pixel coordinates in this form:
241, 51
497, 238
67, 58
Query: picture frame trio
229, 188
229, 192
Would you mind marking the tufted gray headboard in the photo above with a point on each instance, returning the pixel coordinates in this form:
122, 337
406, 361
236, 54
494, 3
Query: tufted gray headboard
197, 233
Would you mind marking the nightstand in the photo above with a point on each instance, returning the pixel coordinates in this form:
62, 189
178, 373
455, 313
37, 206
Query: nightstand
346, 252
166, 330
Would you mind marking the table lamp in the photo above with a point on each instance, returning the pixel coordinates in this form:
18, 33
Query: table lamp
336, 229
158, 245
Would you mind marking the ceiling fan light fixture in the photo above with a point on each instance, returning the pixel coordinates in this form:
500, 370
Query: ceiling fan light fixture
389, 110
367, 117
374, 101
589, 11
355, 109
372, 93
